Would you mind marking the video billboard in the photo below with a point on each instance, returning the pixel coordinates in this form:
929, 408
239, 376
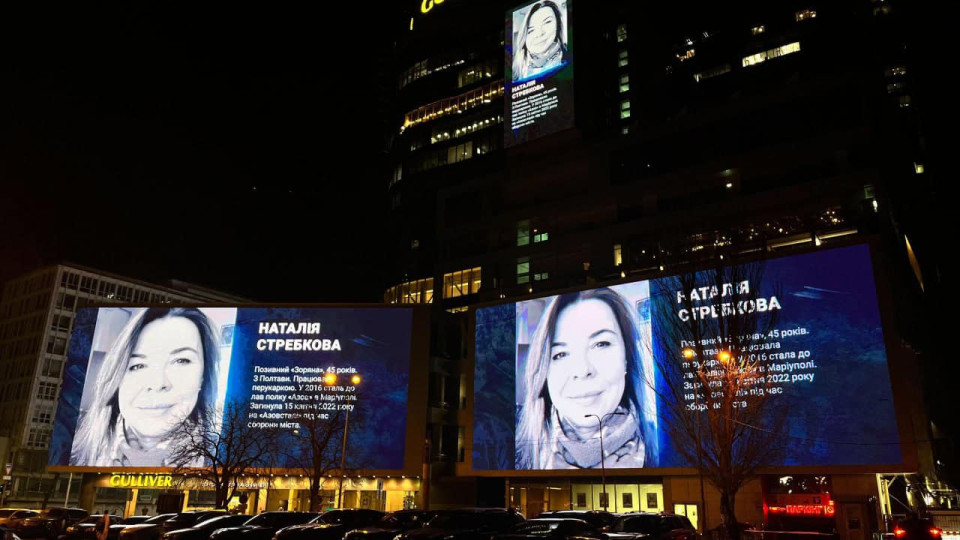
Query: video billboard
546, 368
135, 375
539, 71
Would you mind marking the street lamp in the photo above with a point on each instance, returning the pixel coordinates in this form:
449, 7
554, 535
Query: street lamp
603, 469
330, 379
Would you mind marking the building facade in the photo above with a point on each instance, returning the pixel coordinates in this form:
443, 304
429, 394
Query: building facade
36, 318
761, 127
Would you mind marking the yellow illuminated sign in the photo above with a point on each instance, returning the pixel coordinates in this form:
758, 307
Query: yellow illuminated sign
141, 480
427, 5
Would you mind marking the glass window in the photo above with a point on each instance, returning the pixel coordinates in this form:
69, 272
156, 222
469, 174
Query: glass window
621, 33
623, 59
624, 83
523, 233
461, 283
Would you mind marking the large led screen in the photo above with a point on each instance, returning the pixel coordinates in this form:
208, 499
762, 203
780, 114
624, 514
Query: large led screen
544, 367
135, 375
539, 71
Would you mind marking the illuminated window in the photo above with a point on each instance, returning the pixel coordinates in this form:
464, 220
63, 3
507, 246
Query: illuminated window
805, 15
523, 233
918, 168
461, 152
460, 309
895, 71
894, 87
719, 70
624, 83
471, 126
412, 292
757, 30
523, 270
625, 130
541, 276
540, 237
882, 10
623, 59
621, 33
783, 50
686, 55
617, 254
904, 102
461, 283
453, 105
625, 109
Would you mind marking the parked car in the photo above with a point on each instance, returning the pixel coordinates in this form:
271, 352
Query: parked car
332, 525
551, 528
391, 525
203, 529
185, 520
464, 524
119, 525
916, 528
150, 529
10, 517
7, 533
86, 528
263, 526
597, 518
657, 526
50, 522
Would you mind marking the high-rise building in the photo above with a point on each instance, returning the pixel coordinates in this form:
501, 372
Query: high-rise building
36, 317
779, 127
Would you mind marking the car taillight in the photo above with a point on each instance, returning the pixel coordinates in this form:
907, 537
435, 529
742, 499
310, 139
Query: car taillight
899, 533
935, 532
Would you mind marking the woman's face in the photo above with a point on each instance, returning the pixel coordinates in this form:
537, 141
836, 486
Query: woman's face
541, 30
587, 362
163, 377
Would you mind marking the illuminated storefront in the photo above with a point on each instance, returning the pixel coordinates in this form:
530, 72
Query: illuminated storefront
152, 493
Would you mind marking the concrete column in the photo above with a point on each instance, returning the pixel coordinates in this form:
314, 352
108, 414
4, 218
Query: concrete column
131, 508
88, 492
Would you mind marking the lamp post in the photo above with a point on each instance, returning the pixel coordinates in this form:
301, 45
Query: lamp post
330, 379
603, 469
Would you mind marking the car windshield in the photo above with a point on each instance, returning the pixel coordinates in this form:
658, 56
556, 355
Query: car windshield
6, 513
159, 519
218, 521
640, 524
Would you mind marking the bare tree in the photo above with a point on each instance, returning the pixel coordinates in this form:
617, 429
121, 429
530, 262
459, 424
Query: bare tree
723, 413
222, 454
316, 450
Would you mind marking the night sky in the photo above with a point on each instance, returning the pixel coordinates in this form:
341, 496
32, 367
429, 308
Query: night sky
234, 148
237, 148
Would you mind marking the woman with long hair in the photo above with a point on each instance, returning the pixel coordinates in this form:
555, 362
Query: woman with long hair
159, 375
584, 364
540, 43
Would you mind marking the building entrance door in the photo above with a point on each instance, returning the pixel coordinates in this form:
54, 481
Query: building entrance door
853, 521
